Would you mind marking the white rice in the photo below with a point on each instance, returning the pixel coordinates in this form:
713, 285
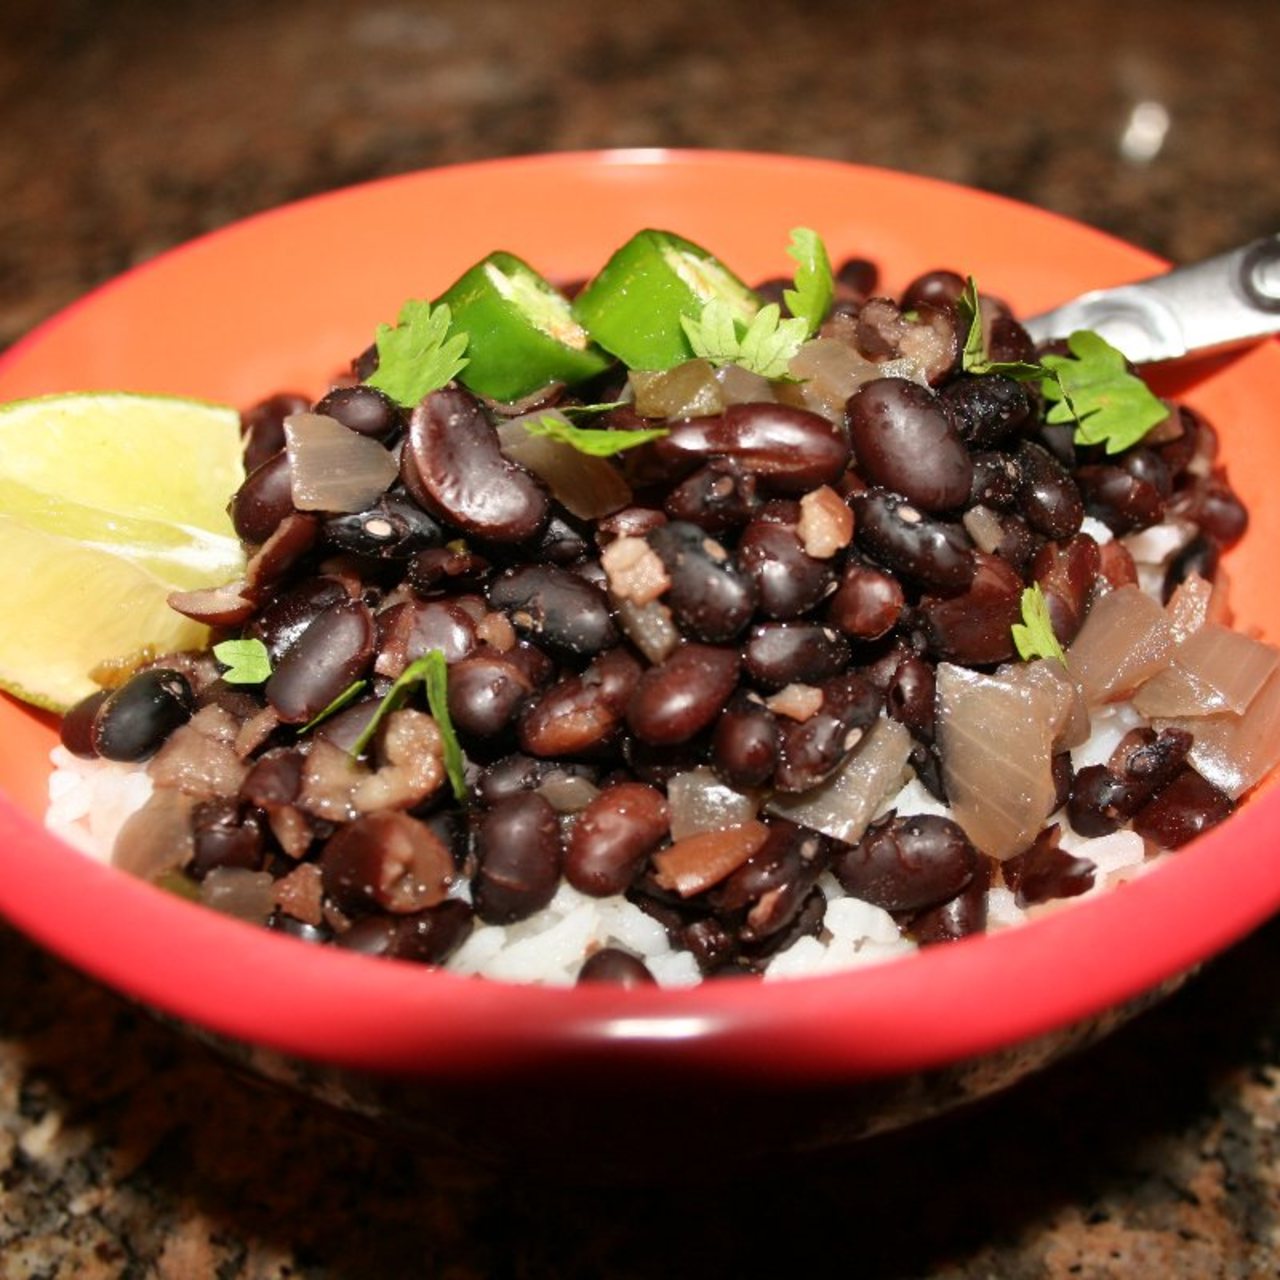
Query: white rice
89, 801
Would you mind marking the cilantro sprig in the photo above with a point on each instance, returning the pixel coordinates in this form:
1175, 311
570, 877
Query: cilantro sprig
1034, 637
246, 661
815, 287
1090, 388
416, 355
433, 670
765, 346
598, 442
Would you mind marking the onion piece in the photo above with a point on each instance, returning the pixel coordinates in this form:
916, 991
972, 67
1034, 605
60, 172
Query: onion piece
697, 862
650, 627
157, 838
688, 390
586, 486
699, 801
997, 735
332, 468
830, 371
1213, 670
984, 527
741, 386
1188, 606
843, 806
237, 891
1236, 752
1125, 640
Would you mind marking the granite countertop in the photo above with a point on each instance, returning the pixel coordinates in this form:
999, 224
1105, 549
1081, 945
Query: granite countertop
128, 1150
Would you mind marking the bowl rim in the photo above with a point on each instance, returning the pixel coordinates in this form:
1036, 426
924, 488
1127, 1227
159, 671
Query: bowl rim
355, 1011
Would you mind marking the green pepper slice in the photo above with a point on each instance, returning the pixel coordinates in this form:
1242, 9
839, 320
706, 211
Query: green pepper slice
633, 307
521, 333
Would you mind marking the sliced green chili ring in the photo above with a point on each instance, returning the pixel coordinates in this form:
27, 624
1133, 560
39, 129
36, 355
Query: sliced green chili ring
521, 334
633, 307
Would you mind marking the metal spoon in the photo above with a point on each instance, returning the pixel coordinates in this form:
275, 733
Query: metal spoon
1209, 306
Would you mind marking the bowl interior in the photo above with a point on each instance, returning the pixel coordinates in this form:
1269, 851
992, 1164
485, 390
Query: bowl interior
284, 300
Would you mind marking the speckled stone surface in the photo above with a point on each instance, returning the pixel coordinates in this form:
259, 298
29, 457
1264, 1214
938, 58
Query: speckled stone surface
128, 1150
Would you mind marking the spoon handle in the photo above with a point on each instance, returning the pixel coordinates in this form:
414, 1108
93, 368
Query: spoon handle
1223, 302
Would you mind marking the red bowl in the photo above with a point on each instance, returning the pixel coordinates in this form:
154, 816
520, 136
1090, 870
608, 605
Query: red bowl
283, 300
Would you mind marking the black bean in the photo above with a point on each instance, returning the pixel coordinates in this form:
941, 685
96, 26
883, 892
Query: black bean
394, 528
866, 603
582, 714
616, 967
453, 467
910, 696
274, 779
1148, 465
788, 580
1064, 777
718, 496
224, 834
562, 541
557, 608
771, 886
1045, 871
975, 627
710, 598
985, 410
136, 718
937, 555
996, 481
425, 937
1051, 502
292, 611
806, 922
364, 410
263, 426
613, 836
517, 844
744, 747
386, 861
791, 450
76, 730
1067, 573
903, 441
518, 772
857, 278
683, 695
1186, 807
330, 655
963, 915
938, 288
813, 749
412, 628
263, 499
449, 568
782, 653
1122, 501
630, 522
1099, 802
1214, 507
485, 693
713, 946
907, 864
1148, 760
1008, 342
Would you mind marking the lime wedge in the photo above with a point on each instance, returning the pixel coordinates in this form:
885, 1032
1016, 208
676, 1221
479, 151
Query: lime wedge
108, 502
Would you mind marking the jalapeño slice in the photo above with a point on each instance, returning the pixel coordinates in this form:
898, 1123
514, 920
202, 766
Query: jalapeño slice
521, 333
633, 307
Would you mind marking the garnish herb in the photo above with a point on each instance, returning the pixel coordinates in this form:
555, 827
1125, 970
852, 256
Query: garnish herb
348, 695
815, 287
247, 661
974, 358
432, 670
764, 347
416, 355
597, 441
1033, 637
1093, 388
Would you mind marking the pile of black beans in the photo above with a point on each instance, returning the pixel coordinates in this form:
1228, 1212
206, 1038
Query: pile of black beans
783, 650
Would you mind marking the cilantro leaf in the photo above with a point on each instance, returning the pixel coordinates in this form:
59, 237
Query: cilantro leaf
815, 287
1034, 637
247, 661
974, 358
432, 669
598, 442
766, 346
436, 678
1094, 389
416, 355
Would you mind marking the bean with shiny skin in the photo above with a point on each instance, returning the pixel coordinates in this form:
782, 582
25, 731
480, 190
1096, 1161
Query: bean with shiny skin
485, 692
557, 607
781, 653
788, 581
1050, 500
903, 441
866, 603
335, 650
293, 610
517, 845
936, 555
718, 496
1123, 502
613, 836
744, 746
453, 467
683, 695
907, 863
581, 714
135, 719
985, 410
1067, 573
386, 861
394, 528
362, 409
710, 598
263, 499
617, 968
963, 915
813, 749
975, 627
262, 426
76, 729
1184, 809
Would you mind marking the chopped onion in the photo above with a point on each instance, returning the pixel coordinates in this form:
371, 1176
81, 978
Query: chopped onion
157, 838
997, 735
1125, 640
843, 806
1214, 669
1188, 607
199, 757
741, 386
697, 862
588, 487
649, 627
983, 526
688, 390
237, 891
332, 468
826, 523
1236, 752
829, 372
568, 792
699, 801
